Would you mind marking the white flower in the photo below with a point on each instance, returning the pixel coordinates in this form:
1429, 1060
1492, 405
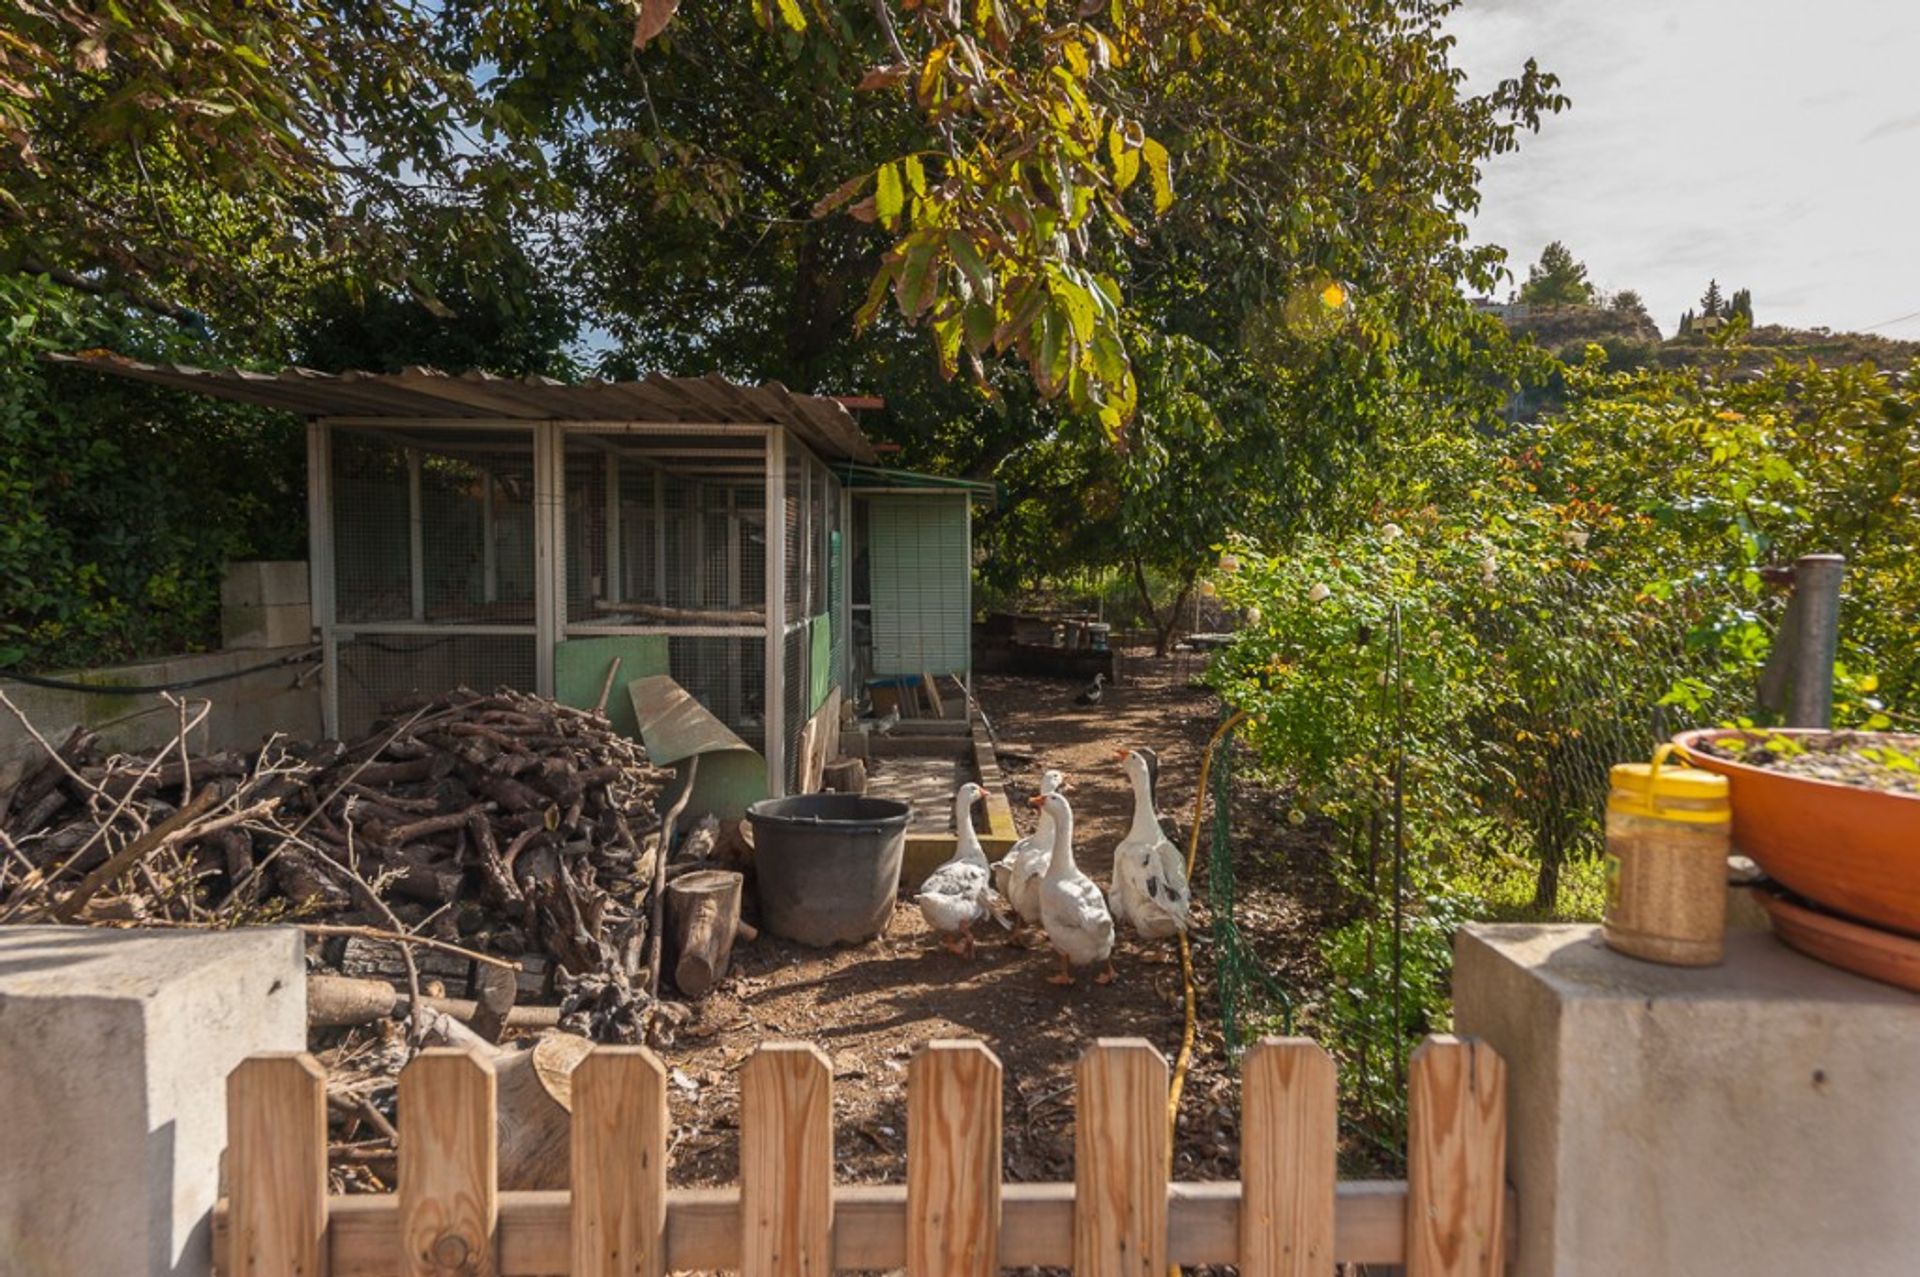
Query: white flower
1576, 538
1381, 678
1207, 589
1390, 532
1253, 616
1229, 562
1318, 593
1489, 568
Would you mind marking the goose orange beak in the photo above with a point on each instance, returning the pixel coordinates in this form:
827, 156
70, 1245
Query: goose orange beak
1120, 755
1036, 801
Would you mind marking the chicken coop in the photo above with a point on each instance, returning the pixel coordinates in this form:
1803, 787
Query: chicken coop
485, 531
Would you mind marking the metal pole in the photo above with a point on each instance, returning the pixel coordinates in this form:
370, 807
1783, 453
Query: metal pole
1816, 584
773, 712
320, 568
548, 527
489, 541
614, 566
416, 537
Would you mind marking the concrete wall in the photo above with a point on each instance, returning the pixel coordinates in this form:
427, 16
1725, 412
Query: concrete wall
1760, 1118
114, 1049
245, 710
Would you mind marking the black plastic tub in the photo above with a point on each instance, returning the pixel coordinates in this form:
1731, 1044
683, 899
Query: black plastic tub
827, 866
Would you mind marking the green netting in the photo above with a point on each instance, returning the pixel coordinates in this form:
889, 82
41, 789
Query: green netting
1249, 993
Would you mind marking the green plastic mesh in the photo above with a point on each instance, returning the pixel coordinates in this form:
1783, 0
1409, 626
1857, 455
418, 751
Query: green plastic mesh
1249, 994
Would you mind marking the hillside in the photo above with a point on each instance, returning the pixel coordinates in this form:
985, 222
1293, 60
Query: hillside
1632, 340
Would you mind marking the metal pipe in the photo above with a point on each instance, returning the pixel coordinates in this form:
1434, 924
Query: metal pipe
1816, 584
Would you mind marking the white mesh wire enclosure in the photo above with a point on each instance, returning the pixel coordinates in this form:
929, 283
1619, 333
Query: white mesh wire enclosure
656, 534
382, 676
465, 557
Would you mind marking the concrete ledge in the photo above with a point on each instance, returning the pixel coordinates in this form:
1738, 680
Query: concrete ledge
1759, 1118
115, 1048
245, 711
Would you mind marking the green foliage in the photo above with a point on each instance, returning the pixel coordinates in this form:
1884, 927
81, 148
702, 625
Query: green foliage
1711, 302
1557, 279
120, 503
209, 152
1519, 610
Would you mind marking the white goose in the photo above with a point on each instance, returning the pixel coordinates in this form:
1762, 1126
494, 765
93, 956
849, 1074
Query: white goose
954, 896
1071, 907
1150, 891
1017, 874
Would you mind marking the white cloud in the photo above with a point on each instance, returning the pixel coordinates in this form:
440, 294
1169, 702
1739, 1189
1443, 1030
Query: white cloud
1771, 144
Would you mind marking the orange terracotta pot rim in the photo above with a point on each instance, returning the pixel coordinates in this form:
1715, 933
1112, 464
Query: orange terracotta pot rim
1688, 740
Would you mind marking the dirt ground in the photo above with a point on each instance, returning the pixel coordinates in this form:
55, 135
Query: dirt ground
870, 1006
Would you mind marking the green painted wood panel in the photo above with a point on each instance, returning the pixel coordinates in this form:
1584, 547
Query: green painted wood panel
922, 570
580, 667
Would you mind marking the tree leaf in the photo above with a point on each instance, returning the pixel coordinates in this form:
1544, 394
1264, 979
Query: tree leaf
888, 196
884, 77
1159, 172
916, 175
653, 19
839, 195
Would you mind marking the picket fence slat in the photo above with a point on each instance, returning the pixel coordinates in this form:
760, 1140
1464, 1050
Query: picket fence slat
619, 1164
449, 1197
1120, 1161
953, 1161
1288, 1159
1453, 1217
277, 1166
1456, 1159
786, 1162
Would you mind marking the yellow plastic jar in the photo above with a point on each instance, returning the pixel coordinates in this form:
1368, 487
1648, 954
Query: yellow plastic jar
1668, 834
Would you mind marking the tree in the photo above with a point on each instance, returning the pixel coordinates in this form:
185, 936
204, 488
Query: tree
1712, 305
1686, 323
1557, 279
199, 156
1741, 306
1627, 302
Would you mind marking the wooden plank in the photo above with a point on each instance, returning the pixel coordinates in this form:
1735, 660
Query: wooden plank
448, 1197
1456, 1159
619, 1154
1120, 1161
277, 1166
1288, 1159
786, 1162
869, 1230
953, 1161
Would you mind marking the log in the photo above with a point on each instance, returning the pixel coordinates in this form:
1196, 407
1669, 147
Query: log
704, 909
339, 1001
536, 1110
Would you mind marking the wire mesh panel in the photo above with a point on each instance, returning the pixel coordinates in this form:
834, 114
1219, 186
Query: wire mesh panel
728, 677
664, 531
795, 502
433, 529
384, 674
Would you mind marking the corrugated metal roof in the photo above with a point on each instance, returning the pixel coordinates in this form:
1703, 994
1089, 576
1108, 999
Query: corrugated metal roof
429, 395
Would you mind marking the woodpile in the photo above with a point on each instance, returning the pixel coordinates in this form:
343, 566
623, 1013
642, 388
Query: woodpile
501, 825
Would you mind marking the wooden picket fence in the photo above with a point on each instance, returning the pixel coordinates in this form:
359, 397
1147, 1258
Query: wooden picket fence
1287, 1217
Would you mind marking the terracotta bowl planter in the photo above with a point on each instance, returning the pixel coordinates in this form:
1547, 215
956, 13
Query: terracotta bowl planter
1851, 849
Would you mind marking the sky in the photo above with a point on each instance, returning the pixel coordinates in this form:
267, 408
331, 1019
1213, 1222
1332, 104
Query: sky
1771, 144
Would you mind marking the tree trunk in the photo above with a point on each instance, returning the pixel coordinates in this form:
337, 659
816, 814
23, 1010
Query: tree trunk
704, 912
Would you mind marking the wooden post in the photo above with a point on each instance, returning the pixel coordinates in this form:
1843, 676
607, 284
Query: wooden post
620, 1164
1120, 1148
703, 911
953, 1161
1456, 1159
277, 1167
1288, 1152
416, 537
449, 1204
786, 1162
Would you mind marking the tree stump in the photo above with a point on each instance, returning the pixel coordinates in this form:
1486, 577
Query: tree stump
703, 911
845, 776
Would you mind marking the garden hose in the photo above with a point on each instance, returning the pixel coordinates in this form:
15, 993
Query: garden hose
1185, 1057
